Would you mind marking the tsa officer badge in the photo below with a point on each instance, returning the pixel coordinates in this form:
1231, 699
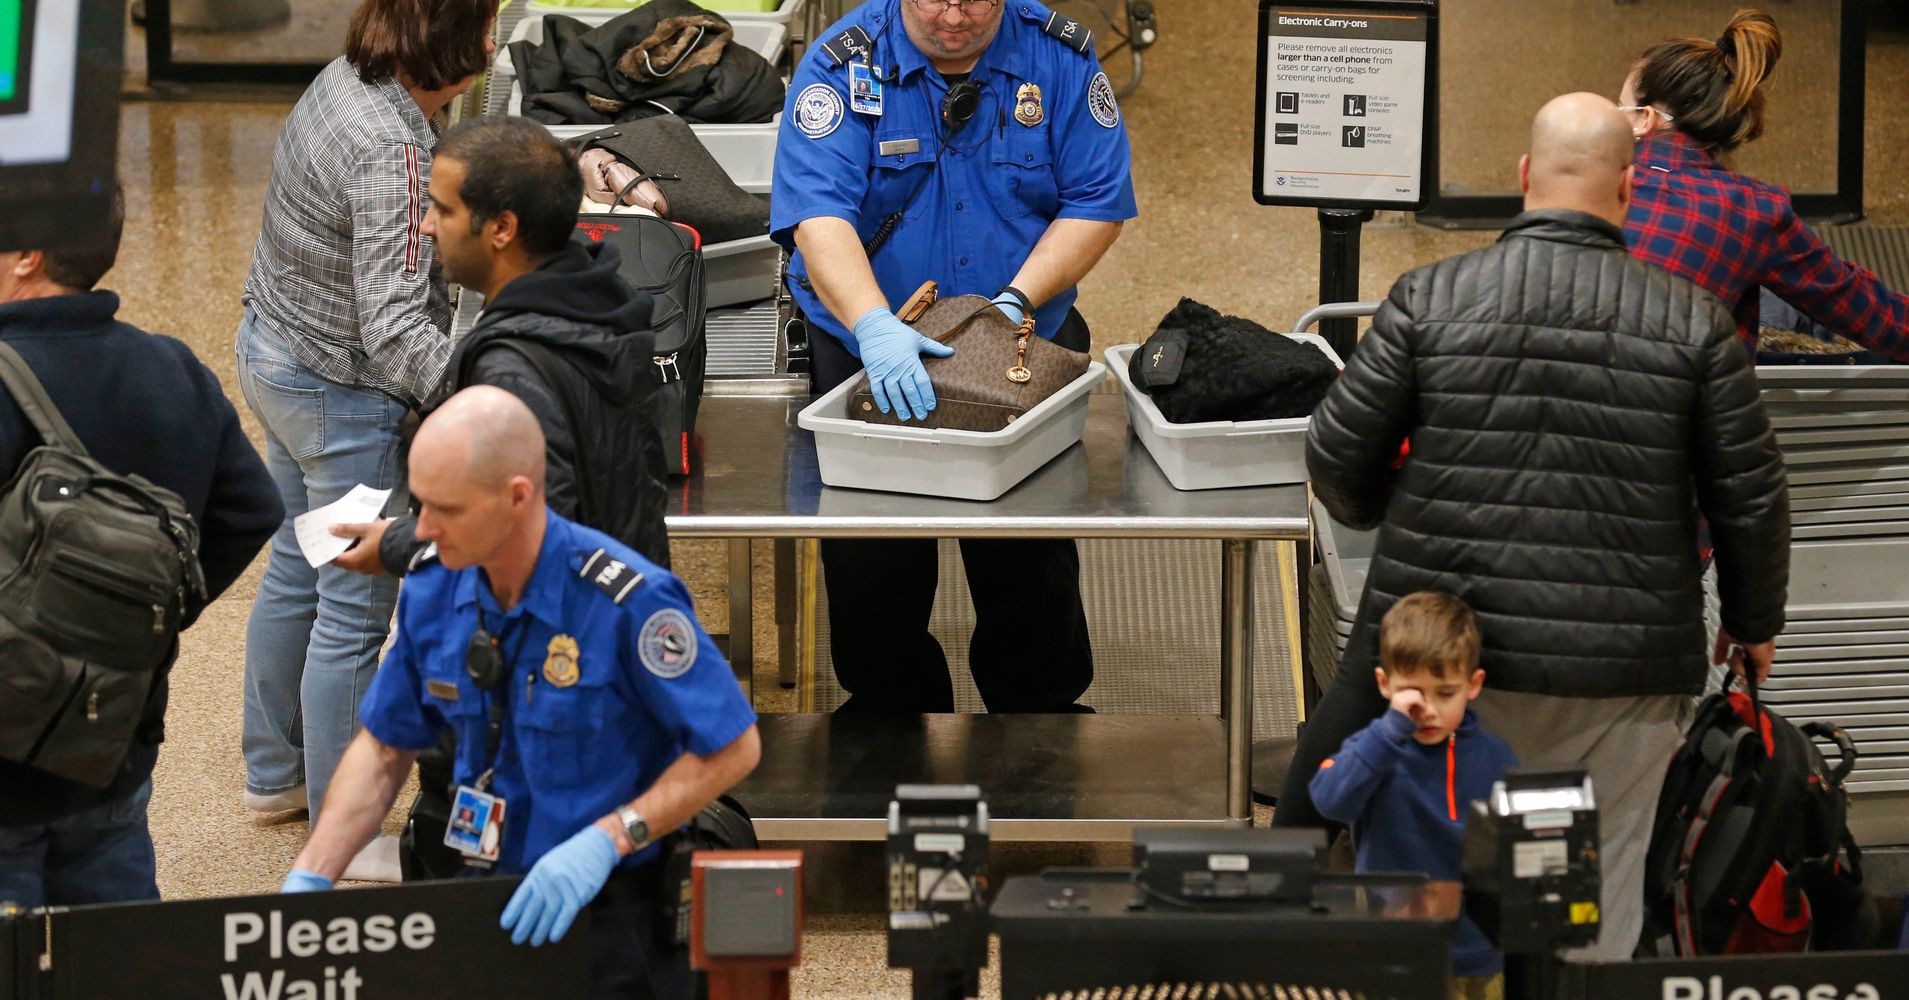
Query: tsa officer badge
560, 663
1027, 104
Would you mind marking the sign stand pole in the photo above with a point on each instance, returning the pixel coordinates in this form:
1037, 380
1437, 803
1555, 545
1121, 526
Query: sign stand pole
1339, 272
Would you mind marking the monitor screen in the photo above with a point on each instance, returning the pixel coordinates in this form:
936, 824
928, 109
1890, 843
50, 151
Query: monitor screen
59, 119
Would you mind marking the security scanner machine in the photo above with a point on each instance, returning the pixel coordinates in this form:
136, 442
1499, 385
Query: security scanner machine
937, 888
1225, 913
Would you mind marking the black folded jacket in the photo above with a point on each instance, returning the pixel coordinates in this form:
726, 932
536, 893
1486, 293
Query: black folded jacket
1202, 365
667, 56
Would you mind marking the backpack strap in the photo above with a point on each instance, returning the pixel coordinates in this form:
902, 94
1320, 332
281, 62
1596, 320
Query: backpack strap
35, 403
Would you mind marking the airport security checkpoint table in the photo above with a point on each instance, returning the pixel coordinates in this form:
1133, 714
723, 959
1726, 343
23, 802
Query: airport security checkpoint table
1046, 777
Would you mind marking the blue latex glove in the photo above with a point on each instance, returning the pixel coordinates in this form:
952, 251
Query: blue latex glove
559, 885
892, 352
1010, 307
304, 880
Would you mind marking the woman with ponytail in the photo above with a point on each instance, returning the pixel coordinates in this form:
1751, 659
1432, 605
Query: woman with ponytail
1691, 102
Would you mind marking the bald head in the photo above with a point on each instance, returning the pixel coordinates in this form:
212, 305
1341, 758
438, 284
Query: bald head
1580, 158
487, 435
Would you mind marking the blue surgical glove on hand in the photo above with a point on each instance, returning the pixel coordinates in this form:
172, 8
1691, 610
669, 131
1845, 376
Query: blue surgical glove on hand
303, 880
892, 352
1010, 307
559, 885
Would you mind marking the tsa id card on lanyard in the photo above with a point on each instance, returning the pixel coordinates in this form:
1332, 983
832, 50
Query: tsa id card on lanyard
476, 826
864, 89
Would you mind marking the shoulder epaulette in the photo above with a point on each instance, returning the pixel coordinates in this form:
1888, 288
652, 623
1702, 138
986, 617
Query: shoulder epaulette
851, 42
1070, 33
611, 575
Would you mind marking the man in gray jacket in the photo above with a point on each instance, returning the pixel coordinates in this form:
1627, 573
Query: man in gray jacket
1572, 411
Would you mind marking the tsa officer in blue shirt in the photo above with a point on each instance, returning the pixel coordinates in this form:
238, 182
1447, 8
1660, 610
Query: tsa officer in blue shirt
977, 144
593, 714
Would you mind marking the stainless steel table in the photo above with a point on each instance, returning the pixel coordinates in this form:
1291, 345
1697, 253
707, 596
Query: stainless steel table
827, 777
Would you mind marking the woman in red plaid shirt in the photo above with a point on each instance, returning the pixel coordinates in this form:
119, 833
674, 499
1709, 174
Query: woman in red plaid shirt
1692, 101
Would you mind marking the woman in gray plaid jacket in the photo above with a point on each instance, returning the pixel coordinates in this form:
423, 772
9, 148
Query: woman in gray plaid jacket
345, 328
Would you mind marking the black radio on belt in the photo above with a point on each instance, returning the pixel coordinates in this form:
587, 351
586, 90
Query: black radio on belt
1531, 861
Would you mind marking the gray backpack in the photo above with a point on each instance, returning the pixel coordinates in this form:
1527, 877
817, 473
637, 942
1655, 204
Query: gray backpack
95, 572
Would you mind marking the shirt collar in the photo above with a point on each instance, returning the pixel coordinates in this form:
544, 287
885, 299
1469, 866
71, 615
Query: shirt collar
542, 597
56, 313
1670, 150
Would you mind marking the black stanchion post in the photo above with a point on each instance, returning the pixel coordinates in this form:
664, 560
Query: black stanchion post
1339, 271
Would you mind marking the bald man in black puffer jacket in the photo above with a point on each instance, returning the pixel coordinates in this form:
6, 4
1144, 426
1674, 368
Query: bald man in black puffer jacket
1572, 412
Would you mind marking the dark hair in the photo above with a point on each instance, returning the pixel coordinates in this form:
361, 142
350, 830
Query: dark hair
514, 165
81, 267
1713, 90
1429, 631
434, 42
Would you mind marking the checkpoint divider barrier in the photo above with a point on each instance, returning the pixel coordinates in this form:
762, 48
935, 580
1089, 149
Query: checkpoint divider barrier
347, 944
1820, 975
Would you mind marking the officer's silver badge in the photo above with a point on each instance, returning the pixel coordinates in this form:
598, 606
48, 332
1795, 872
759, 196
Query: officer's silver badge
818, 110
667, 644
1100, 101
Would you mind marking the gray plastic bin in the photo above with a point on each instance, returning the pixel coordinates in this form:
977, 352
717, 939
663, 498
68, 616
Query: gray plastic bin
740, 271
1216, 454
966, 465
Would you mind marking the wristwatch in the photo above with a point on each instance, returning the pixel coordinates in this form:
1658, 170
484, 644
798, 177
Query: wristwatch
635, 827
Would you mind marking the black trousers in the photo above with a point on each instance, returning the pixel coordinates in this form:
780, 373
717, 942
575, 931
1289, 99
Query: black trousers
1030, 650
632, 960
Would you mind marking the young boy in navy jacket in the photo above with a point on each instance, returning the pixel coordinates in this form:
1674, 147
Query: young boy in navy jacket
1405, 782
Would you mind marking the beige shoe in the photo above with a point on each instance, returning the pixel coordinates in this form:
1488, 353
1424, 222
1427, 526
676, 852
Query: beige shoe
290, 799
378, 862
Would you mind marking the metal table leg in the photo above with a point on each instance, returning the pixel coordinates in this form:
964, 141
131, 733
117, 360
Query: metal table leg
1236, 674
742, 618
786, 612
1272, 758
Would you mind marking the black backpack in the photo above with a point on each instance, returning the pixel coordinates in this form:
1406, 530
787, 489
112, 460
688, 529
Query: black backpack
665, 260
96, 570
617, 462
1750, 851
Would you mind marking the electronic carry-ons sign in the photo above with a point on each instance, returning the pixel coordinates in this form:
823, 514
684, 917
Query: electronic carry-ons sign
348, 944
1347, 109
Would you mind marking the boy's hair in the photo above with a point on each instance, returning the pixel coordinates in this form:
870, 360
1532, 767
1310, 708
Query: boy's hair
1429, 631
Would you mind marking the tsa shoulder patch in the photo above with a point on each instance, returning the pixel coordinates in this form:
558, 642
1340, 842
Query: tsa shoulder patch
1069, 32
611, 575
1100, 101
851, 42
667, 644
818, 110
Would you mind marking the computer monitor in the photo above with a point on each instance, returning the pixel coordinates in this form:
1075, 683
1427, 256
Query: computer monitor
59, 120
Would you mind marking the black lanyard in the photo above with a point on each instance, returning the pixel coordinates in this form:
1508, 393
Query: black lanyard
490, 670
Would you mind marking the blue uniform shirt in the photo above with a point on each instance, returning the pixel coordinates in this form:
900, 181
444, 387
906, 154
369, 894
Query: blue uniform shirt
985, 197
602, 695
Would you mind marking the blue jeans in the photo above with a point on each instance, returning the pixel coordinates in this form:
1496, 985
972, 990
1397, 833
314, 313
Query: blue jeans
312, 644
97, 855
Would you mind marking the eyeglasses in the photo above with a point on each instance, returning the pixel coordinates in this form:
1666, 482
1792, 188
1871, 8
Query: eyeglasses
972, 8
1659, 112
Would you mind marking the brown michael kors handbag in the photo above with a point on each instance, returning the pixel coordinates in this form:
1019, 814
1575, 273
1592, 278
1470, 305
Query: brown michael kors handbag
997, 372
